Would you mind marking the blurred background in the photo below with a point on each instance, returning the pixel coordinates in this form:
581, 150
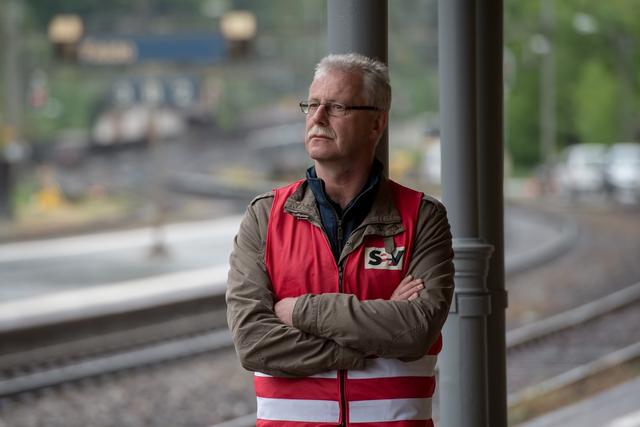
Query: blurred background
134, 133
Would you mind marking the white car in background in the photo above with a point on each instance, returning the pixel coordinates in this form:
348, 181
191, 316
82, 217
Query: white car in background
622, 171
580, 170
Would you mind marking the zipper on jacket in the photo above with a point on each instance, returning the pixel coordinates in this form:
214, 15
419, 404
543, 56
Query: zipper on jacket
341, 372
343, 400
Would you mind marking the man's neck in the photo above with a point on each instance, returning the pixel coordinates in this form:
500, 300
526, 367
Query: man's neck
343, 184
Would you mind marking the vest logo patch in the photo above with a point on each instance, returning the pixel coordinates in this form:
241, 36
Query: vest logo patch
379, 259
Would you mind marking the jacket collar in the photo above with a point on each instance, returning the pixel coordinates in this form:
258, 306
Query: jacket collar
302, 204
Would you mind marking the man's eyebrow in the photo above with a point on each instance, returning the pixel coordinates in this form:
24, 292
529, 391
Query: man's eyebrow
333, 101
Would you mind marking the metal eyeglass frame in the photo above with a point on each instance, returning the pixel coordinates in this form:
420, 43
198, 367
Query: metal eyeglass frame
330, 107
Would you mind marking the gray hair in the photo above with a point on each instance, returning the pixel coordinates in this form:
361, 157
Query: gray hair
375, 75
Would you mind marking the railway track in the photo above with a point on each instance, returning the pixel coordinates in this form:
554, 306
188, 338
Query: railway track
536, 353
547, 349
41, 355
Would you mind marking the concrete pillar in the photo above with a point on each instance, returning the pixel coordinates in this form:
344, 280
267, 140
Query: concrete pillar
491, 201
360, 26
463, 363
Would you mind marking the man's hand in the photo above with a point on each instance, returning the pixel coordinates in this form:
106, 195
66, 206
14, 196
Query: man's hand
407, 289
284, 310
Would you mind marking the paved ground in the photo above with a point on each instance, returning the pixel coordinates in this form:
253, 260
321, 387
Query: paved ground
618, 407
38, 267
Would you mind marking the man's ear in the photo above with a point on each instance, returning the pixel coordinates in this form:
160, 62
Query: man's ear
380, 124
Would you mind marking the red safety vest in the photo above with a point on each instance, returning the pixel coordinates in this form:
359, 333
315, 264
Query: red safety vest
387, 392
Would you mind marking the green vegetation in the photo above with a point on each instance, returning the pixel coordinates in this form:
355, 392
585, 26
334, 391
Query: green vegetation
72, 99
595, 103
596, 83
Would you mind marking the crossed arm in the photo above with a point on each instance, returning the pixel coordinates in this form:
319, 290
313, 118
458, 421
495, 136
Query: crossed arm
315, 333
407, 290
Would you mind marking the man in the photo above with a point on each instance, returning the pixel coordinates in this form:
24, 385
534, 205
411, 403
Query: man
340, 283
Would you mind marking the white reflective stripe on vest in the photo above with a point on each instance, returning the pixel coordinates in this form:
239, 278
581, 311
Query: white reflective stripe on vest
371, 411
327, 374
319, 411
387, 368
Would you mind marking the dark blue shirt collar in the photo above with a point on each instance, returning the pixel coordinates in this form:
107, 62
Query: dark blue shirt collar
317, 187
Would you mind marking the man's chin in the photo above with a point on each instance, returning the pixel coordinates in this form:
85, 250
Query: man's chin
319, 155
317, 149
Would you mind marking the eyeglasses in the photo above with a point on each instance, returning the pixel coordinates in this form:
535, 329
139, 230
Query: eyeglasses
333, 108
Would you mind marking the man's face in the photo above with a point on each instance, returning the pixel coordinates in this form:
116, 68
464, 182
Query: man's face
333, 139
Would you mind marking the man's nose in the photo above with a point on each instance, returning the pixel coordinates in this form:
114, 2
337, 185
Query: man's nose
320, 116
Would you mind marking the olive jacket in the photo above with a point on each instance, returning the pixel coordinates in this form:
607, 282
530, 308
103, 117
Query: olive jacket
336, 331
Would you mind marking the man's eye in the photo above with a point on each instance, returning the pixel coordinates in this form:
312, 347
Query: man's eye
314, 105
338, 107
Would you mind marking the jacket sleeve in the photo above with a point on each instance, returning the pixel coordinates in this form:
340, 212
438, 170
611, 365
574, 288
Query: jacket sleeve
263, 343
392, 329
